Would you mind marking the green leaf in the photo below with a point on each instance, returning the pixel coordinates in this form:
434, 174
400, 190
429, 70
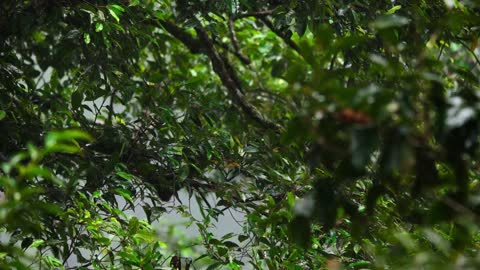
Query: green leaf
37, 243
357, 248
117, 8
184, 172
214, 266
116, 11
359, 265
231, 244
125, 175
134, 3
86, 38
291, 199
76, 99
55, 137
390, 21
242, 237
2, 114
114, 15
98, 27
125, 194
394, 9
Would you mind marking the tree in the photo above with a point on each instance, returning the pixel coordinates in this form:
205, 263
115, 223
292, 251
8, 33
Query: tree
346, 131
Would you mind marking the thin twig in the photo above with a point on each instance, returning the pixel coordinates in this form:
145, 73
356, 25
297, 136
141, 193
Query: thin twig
472, 52
441, 51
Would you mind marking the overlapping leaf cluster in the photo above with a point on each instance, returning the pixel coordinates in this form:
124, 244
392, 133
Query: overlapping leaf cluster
345, 131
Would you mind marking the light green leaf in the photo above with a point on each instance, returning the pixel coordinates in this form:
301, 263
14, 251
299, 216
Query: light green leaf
98, 27
125, 175
184, 172
86, 38
37, 243
134, 3
117, 8
291, 199
394, 9
76, 99
54, 137
116, 11
114, 15
2, 114
125, 194
390, 21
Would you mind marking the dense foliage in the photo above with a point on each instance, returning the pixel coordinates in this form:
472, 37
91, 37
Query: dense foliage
345, 131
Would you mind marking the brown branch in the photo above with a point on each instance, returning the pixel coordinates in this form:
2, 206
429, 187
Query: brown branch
262, 16
233, 35
193, 44
287, 40
235, 42
224, 71
220, 64
244, 59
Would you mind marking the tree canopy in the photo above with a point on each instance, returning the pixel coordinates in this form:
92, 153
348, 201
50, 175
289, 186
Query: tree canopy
345, 131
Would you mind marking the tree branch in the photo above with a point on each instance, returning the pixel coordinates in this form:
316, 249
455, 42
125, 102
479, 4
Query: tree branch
262, 16
221, 66
224, 71
244, 59
193, 44
287, 40
233, 37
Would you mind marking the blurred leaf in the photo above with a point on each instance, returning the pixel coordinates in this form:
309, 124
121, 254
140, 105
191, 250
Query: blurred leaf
37, 243
116, 11
299, 229
76, 99
55, 137
390, 21
250, 149
364, 142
